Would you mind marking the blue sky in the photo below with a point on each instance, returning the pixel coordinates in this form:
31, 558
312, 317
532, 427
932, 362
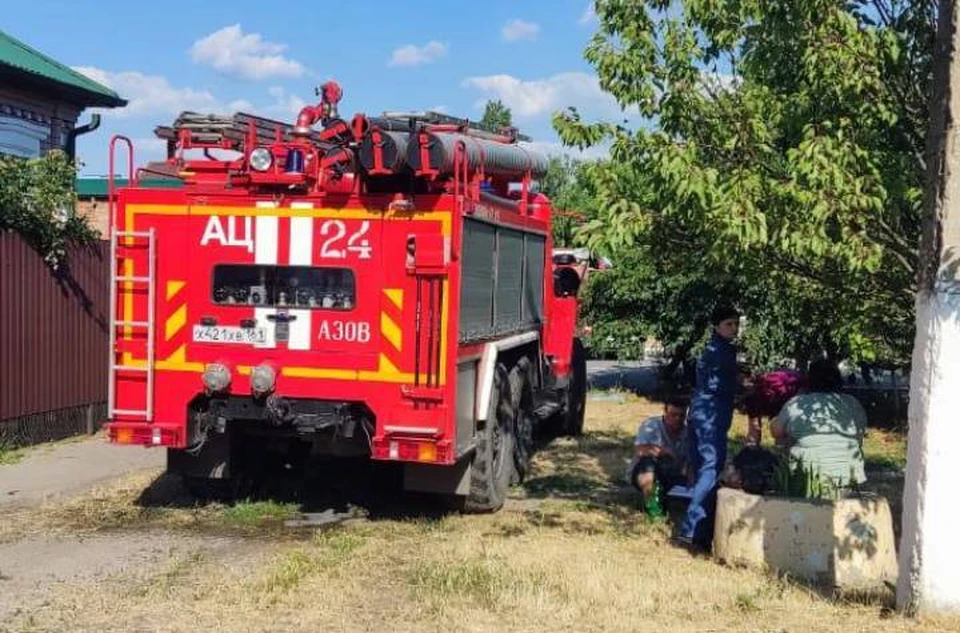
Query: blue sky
266, 57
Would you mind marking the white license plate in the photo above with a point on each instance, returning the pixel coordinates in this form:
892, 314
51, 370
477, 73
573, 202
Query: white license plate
225, 334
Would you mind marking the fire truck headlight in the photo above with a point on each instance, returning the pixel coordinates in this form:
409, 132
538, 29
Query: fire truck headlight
262, 379
261, 159
216, 378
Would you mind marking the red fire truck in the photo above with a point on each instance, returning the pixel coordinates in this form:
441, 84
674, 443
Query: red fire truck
380, 287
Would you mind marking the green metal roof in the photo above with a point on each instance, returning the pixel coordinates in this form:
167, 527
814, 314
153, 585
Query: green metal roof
97, 187
17, 55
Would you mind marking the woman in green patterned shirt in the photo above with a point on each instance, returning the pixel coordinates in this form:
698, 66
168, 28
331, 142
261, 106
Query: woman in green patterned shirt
824, 427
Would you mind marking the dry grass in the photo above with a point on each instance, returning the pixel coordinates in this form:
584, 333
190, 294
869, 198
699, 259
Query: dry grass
885, 449
568, 553
129, 503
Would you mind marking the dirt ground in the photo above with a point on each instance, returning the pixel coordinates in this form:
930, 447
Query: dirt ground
570, 552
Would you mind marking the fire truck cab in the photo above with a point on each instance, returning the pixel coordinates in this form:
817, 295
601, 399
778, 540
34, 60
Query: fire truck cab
381, 287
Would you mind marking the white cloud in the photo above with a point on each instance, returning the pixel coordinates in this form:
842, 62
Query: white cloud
544, 96
588, 16
412, 55
517, 29
151, 145
239, 105
284, 104
246, 55
155, 149
152, 95
149, 150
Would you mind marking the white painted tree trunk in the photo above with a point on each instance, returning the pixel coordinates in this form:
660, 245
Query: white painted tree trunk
929, 577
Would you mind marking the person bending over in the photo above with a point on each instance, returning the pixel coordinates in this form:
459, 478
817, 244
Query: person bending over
767, 394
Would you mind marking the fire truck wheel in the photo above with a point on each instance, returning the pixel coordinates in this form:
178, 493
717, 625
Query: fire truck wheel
521, 389
576, 397
493, 459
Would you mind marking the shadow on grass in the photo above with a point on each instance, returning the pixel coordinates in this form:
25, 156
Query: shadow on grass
882, 598
779, 583
340, 489
587, 474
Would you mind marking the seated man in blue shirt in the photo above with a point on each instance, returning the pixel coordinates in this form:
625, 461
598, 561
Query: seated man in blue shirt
660, 452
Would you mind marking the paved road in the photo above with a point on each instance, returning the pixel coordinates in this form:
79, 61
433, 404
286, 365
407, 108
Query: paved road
67, 468
639, 377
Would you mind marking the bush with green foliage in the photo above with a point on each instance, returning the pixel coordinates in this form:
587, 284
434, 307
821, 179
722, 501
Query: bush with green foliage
38, 201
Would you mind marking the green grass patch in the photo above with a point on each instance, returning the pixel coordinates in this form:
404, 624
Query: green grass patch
289, 571
487, 582
746, 603
479, 581
257, 513
10, 456
330, 550
338, 546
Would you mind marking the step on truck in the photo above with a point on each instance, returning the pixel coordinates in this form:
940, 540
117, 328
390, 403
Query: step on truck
377, 288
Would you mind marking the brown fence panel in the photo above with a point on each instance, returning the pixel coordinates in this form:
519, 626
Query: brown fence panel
53, 341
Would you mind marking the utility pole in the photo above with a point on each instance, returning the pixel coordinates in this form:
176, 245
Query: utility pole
929, 581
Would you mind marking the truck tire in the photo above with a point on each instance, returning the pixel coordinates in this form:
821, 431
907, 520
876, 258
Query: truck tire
521, 390
492, 465
576, 394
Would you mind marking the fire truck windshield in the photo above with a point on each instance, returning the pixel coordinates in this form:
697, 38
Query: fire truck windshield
284, 286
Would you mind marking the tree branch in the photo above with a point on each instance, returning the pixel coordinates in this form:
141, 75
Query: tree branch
884, 11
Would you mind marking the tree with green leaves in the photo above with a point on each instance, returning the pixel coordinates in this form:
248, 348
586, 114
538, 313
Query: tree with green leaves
637, 299
568, 183
496, 115
783, 161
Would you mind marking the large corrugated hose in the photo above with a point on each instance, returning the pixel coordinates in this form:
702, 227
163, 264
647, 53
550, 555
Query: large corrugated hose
392, 146
497, 159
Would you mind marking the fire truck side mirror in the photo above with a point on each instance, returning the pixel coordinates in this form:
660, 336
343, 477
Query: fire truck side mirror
566, 282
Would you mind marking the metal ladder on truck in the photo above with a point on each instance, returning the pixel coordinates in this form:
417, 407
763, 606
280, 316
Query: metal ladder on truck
130, 282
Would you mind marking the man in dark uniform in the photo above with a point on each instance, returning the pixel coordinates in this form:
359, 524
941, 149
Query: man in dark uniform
711, 413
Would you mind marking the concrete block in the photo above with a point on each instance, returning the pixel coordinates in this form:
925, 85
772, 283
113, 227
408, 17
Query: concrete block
845, 544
